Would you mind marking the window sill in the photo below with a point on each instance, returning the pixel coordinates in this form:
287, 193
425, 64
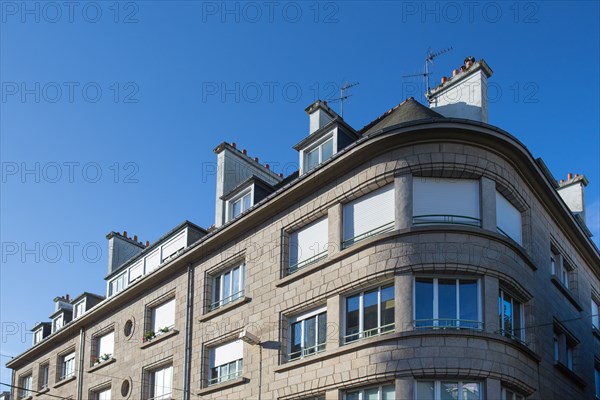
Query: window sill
30, 397
566, 292
42, 391
570, 374
224, 309
596, 332
159, 338
103, 364
64, 381
222, 386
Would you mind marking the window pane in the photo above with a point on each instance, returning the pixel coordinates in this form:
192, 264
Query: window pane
296, 338
236, 208
468, 303
387, 305
327, 149
595, 318
217, 289
517, 313
235, 279
322, 334
470, 391
597, 381
246, 201
388, 392
371, 394
370, 310
310, 325
312, 159
425, 390
447, 302
226, 285
352, 396
424, 302
449, 391
352, 315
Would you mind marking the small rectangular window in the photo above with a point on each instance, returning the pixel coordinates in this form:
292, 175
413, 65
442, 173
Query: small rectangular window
104, 348
103, 394
511, 313
44, 376
160, 383
228, 286
320, 153
240, 204
564, 347
57, 323
163, 317
226, 362
79, 309
67, 366
26, 386
597, 381
308, 334
38, 336
369, 313
118, 284
508, 394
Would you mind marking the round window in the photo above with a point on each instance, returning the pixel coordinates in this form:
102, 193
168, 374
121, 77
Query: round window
128, 328
126, 388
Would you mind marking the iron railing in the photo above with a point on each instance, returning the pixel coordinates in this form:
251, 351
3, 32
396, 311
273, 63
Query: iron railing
226, 300
308, 351
373, 232
448, 323
378, 331
302, 264
447, 219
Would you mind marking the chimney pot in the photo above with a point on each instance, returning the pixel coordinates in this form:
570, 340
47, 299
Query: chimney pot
570, 176
147, 243
455, 72
444, 79
244, 152
281, 175
67, 296
463, 68
562, 181
233, 145
256, 159
135, 238
125, 233
267, 166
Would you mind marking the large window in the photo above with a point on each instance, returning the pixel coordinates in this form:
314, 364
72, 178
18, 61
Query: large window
445, 201
163, 317
318, 154
447, 303
448, 390
228, 286
160, 383
369, 215
386, 392
511, 314
308, 334
104, 348
226, 362
240, 204
369, 313
508, 394
508, 219
67, 366
308, 245
26, 386
44, 376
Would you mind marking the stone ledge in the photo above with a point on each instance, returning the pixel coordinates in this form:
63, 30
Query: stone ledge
42, 391
222, 386
159, 338
64, 381
224, 309
566, 292
570, 374
96, 367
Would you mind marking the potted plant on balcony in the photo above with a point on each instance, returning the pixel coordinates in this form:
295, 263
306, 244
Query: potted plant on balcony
149, 335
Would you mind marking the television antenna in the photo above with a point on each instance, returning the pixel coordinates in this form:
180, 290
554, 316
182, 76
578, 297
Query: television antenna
429, 60
343, 96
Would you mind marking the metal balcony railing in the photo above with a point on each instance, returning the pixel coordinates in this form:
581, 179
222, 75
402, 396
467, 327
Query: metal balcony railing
308, 351
302, 264
378, 331
447, 219
373, 232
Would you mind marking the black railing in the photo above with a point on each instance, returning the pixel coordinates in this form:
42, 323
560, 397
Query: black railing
449, 219
373, 232
302, 264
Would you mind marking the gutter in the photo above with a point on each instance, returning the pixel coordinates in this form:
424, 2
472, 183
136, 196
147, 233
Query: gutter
81, 361
187, 353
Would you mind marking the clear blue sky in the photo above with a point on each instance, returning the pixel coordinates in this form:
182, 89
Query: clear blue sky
177, 78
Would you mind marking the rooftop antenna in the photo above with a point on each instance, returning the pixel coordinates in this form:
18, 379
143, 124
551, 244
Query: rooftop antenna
429, 60
343, 96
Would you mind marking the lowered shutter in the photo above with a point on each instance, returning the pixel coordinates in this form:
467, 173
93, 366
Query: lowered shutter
371, 212
308, 242
227, 353
508, 218
163, 316
445, 200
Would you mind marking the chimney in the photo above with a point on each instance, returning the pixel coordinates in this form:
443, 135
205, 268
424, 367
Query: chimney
319, 115
572, 192
464, 94
120, 249
62, 303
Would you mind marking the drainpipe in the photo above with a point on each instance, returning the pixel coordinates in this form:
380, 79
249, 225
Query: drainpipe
187, 355
81, 360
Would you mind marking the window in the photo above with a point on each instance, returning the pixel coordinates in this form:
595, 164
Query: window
564, 347
369, 215
560, 268
508, 394
228, 286
226, 362
44, 376
447, 303
387, 392
160, 383
118, 284
163, 317
79, 309
597, 380
446, 201
511, 316
308, 245
369, 313
103, 394
595, 317
318, 154
448, 390
508, 219
240, 204
57, 323
104, 348
38, 336
308, 334
26, 385
67, 366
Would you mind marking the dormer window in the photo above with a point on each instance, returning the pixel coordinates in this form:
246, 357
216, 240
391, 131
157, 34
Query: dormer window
322, 151
79, 309
57, 323
38, 336
240, 204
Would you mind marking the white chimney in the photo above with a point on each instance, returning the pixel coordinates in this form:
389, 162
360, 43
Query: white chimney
320, 115
572, 192
464, 94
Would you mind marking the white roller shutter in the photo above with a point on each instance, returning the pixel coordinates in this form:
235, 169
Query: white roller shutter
369, 212
446, 197
227, 353
106, 344
173, 245
136, 270
152, 261
163, 316
508, 218
308, 241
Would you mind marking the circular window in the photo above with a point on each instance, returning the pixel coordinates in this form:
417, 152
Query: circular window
126, 388
128, 328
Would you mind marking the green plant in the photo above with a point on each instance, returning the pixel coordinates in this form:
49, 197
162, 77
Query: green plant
149, 335
165, 329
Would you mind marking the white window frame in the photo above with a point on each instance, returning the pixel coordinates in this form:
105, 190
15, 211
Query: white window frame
215, 304
436, 301
319, 147
100, 353
26, 386
58, 322
44, 378
103, 394
380, 330
82, 303
361, 391
319, 347
438, 387
595, 313
295, 247
508, 394
121, 281
67, 366
152, 310
521, 336
220, 377
152, 383
38, 335
240, 197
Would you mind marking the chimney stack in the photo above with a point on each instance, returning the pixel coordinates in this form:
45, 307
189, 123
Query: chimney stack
120, 249
572, 192
319, 115
464, 94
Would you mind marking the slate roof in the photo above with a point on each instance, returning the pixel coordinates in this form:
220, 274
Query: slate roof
408, 110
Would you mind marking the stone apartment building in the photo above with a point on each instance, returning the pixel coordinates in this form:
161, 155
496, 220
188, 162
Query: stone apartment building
425, 256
